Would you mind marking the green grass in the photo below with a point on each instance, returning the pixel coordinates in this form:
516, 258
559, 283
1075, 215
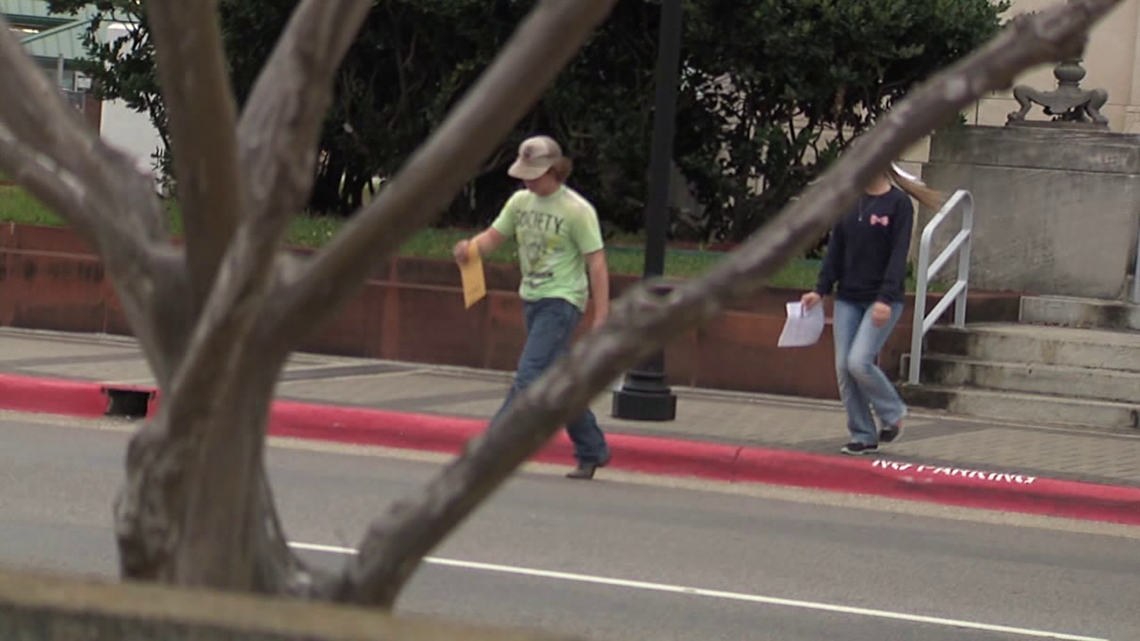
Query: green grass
623, 252
16, 206
622, 258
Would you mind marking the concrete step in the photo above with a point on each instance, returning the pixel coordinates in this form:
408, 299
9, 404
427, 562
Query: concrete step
1032, 378
1080, 312
1040, 409
1015, 343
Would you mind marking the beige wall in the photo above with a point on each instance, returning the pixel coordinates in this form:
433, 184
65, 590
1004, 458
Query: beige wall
1112, 61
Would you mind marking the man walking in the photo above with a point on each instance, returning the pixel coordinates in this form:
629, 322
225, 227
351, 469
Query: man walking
560, 243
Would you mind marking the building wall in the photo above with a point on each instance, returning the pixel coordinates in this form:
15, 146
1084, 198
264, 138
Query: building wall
1111, 63
126, 129
1112, 60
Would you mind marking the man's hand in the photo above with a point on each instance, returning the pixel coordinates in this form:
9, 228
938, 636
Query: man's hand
461, 251
880, 313
810, 299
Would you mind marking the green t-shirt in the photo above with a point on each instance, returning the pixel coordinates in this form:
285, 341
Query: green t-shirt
553, 234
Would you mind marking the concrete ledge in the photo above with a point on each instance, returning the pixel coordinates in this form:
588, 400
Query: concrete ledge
1097, 151
1056, 209
1036, 409
1039, 344
1080, 312
42, 607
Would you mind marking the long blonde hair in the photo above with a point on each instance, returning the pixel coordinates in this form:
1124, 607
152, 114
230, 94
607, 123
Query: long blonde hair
929, 197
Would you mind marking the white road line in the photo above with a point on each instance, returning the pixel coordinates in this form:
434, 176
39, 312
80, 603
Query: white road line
719, 594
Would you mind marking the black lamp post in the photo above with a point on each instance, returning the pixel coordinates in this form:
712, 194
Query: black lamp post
644, 396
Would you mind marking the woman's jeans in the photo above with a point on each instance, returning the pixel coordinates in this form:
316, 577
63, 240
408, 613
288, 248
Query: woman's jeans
550, 324
862, 385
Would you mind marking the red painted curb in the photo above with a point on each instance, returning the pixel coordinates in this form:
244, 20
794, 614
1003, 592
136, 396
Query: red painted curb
73, 398
949, 485
878, 476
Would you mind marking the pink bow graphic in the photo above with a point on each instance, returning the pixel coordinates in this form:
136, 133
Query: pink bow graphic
879, 220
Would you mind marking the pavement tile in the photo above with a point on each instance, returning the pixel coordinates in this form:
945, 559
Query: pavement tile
135, 372
383, 389
1068, 453
18, 349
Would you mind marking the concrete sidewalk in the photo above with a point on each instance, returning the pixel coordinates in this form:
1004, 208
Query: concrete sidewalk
707, 416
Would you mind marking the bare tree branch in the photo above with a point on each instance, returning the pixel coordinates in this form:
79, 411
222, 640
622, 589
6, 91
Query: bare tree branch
281, 123
41, 120
203, 120
42, 177
279, 131
224, 516
643, 320
135, 271
200, 107
539, 49
317, 36
95, 188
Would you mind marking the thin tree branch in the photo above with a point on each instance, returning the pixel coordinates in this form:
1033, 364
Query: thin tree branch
43, 178
278, 133
543, 44
185, 513
202, 116
40, 120
644, 320
108, 202
234, 271
135, 268
281, 123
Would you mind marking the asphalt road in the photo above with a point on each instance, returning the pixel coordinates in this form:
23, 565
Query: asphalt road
630, 557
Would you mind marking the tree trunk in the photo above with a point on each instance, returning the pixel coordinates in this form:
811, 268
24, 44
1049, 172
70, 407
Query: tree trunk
168, 522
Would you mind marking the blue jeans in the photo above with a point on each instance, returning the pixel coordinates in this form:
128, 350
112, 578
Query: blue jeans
862, 385
550, 324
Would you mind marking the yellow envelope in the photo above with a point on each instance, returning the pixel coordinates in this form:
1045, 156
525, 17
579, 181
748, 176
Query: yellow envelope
474, 286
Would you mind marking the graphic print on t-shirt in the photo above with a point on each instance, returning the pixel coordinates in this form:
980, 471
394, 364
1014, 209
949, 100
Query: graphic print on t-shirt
553, 233
540, 236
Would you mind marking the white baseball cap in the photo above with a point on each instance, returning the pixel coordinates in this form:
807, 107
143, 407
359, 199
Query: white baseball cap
536, 156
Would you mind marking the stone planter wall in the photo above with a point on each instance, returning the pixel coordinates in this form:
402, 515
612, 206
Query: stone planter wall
412, 310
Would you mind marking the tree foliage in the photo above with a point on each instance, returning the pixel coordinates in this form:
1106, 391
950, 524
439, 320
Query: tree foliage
788, 83
772, 91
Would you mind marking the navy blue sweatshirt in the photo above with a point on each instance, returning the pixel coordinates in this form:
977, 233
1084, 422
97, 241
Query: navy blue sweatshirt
868, 248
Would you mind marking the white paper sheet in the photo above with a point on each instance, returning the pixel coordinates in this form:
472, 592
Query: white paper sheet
803, 327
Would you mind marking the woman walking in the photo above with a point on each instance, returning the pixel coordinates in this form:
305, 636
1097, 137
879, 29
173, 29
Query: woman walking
867, 256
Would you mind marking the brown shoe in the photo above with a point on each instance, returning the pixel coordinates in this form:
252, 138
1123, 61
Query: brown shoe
585, 471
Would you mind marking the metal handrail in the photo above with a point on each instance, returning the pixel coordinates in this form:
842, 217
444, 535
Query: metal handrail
957, 294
